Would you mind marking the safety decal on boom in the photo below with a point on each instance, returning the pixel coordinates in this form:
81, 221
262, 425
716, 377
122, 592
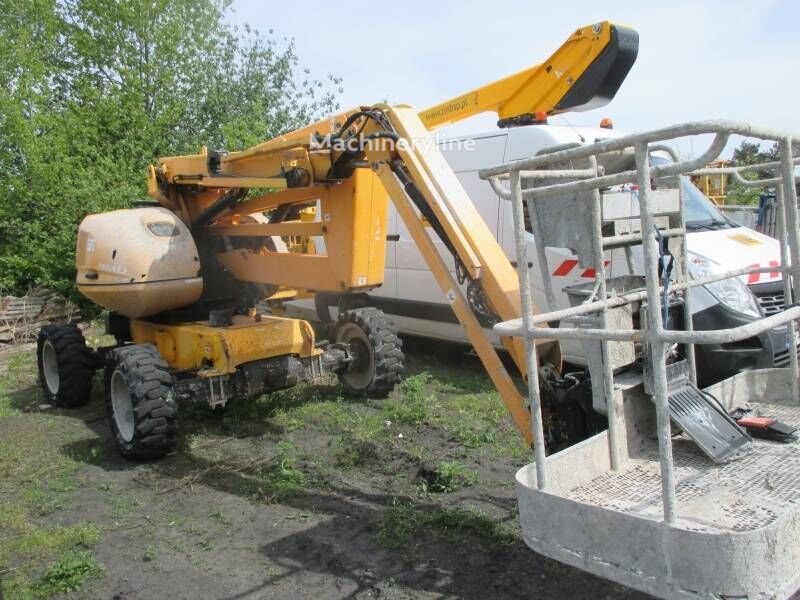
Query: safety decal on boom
566, 267
757, 277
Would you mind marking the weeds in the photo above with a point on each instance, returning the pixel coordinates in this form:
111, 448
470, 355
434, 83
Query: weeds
280, 478
446, 477
399, 524
150, 553
122, 506
20, 371
69, 573
218, 515
412, 408
350, 452
404, 520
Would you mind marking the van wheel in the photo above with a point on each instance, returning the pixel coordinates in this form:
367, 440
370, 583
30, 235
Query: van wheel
377, 352
141, 402
66, 365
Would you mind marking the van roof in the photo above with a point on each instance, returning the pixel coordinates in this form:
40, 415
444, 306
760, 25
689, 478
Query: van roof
543, 134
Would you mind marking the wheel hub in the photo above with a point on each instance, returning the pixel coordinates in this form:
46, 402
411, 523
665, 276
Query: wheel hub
52, 379
361, 371
122, 406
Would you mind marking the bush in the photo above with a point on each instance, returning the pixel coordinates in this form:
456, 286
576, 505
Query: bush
82, 113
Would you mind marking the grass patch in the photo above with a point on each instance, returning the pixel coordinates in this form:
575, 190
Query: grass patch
280, 478
399, 524
350, 452
69, 573
446, 477
122, 506
412, 408
20, 371
404, 521
219, 516
34, 546
38, 475
150, 553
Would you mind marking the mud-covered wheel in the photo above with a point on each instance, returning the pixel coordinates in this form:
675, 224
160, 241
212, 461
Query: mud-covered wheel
377, 352
66, 365
141, 402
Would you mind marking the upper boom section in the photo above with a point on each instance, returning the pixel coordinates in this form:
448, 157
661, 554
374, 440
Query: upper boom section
584, 73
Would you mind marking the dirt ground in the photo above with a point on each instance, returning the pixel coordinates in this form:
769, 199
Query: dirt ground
302, 494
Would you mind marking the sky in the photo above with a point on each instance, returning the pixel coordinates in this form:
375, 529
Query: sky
697, 60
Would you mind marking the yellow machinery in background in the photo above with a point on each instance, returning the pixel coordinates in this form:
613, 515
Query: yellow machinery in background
182, 278
714, 186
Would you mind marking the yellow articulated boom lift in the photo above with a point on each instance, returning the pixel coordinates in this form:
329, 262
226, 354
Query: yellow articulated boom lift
181, 278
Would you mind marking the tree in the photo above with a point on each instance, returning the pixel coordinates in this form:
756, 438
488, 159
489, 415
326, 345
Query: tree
750, 153
95, 90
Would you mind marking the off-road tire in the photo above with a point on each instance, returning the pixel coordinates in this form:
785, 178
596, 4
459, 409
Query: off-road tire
150, 430
384, 352
66, 365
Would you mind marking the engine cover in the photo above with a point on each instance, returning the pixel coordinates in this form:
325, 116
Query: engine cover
138, 262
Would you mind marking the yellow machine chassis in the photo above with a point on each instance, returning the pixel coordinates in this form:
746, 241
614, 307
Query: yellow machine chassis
213, 351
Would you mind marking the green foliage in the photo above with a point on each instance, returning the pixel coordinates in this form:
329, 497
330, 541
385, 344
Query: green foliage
281, 478
741, 195
412, 407
749, 153
150, 553
399, 524
447, 477
69, 573
94, 91
404, 521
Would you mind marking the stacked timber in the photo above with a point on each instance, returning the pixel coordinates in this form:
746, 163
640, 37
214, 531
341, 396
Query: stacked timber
21, 317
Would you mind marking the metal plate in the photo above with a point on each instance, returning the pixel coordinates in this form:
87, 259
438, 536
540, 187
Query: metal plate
702, 419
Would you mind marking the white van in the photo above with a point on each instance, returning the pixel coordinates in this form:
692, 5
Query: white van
417, 306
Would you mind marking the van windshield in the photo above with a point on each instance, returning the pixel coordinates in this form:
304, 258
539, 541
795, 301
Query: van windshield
698, 211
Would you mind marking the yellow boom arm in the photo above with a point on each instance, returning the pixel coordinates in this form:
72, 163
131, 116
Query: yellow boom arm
349, 166
585, 72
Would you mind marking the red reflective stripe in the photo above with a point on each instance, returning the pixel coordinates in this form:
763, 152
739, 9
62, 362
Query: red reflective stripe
590, 273
774, 263
753, 277
565, 267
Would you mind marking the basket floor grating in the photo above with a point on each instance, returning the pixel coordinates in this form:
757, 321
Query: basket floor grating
743, 495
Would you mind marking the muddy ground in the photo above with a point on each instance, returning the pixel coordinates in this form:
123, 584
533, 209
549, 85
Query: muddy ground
302, 494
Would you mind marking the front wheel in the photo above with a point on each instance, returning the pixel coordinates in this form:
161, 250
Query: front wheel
141, 402
376, 352
66, 365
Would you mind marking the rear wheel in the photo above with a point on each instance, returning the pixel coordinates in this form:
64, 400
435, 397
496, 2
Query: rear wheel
377, 352
66, 365
141, 402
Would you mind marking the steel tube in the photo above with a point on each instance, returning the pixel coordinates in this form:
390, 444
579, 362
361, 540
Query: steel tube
688, 320
631, 238
614, 440
627, 298
657, 346
717, 126
714, 336
582, 185
531, 359
787, 293
791, 231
